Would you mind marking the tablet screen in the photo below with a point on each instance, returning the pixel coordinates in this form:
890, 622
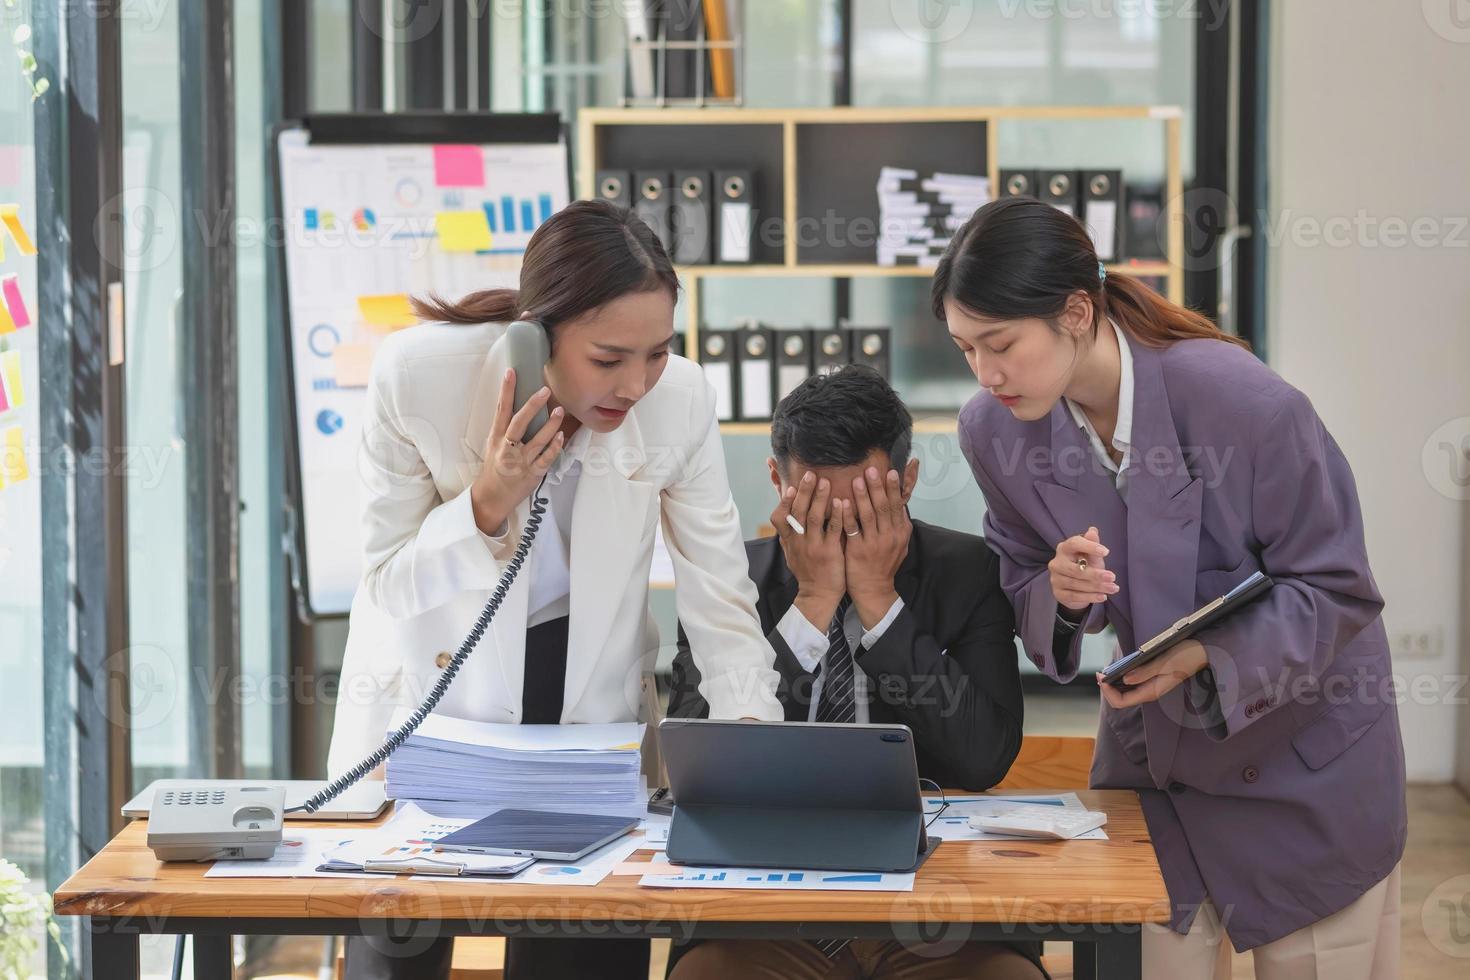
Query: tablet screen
538, 831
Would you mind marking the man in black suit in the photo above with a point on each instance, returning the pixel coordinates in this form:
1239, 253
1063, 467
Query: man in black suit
874, 617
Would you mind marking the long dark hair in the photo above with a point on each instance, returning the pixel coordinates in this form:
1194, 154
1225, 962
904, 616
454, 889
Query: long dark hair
587, 254
1019, 257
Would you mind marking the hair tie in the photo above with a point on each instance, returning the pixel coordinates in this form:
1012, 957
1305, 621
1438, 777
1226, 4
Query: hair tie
1102, 273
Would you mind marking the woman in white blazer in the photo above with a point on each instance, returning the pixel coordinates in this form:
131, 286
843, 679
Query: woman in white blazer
448, 472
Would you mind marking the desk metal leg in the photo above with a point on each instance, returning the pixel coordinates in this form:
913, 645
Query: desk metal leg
1084, 961
212, 957
114, 954
1120, 955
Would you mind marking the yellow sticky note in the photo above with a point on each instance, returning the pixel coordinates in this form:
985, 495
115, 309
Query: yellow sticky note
10, 215
10, 373
388, 310
13, 468
7, 324
353, 364
462, 231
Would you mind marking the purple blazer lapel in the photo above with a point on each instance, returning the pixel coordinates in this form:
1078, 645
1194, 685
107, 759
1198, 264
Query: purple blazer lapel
1084, 494
1164, 502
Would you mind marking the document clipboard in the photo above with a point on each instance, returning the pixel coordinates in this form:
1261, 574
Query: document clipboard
456, 866
1212, 612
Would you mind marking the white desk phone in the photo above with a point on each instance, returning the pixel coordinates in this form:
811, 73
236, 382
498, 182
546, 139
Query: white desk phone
205, 820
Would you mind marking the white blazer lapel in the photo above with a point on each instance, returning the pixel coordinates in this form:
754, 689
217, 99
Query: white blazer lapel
609, 520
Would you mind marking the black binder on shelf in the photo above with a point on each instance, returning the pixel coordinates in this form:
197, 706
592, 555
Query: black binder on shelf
735, 217
717, 357
831, 350
793, 360
1102, 211
1018, 183
653, 202
681, 21
692, 217
615, 186
870, 346
1059, 189
755, 353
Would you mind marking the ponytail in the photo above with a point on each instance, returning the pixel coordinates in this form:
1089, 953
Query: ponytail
1152, 320
582, 257
486, 306
1019, 257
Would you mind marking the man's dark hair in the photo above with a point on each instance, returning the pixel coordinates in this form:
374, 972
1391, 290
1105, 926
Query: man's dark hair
837, 419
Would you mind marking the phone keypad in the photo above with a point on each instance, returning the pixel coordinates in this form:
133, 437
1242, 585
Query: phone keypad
193, 797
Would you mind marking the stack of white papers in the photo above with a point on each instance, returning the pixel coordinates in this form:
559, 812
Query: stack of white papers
919, 215
469, 768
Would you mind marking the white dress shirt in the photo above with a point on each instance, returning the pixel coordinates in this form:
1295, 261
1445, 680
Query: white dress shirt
1123, 430
551, 555
810, 645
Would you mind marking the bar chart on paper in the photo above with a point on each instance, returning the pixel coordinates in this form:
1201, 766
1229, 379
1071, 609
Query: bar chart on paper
780, 880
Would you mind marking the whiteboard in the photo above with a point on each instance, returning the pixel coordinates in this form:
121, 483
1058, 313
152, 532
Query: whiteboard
369, 220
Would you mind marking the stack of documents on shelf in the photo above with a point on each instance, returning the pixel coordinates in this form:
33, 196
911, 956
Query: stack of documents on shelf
468, 768
917, 216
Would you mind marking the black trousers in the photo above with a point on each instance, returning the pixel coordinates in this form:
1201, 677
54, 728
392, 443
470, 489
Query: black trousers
424, 958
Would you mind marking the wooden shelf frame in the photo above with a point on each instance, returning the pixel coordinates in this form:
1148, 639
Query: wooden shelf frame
593, 120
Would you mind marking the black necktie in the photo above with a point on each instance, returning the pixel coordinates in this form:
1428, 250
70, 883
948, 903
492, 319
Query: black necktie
836, 702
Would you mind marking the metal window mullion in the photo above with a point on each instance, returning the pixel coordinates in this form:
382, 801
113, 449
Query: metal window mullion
210, 384
83, 502
367, 55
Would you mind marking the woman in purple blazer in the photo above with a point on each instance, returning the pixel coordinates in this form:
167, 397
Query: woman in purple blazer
1137, 463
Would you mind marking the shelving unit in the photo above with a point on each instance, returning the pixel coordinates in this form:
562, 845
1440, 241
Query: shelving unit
820, 161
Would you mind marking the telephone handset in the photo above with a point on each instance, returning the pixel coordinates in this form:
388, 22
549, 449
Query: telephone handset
527, 350
207, 821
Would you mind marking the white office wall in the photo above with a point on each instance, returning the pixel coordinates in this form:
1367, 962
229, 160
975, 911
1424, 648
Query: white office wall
1369, 142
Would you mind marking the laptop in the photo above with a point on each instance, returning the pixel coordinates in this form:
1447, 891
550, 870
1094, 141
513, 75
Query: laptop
794, 795
362, 801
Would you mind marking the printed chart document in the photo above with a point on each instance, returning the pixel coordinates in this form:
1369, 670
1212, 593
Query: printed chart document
297, 856
781, 879
954, 823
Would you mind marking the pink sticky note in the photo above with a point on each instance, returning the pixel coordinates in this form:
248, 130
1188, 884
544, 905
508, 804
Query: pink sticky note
4, 396
10, 165
459, 166
15, 302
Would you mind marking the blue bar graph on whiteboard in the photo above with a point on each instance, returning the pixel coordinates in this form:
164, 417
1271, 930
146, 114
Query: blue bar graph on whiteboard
545, 207
490, 215
528, 216
853, 878
508, 212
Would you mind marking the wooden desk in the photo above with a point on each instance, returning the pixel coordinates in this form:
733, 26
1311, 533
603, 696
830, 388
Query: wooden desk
1093, 893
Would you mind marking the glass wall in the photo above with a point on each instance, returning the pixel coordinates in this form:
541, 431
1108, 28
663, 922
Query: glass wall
23, 468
